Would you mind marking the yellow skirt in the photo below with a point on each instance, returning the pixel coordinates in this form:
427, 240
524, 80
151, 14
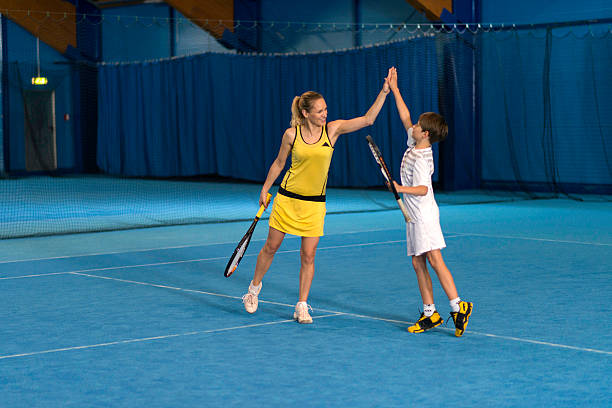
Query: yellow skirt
297, 217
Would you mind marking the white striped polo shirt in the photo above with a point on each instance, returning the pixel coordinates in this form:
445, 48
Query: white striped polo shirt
423, 232
416, 170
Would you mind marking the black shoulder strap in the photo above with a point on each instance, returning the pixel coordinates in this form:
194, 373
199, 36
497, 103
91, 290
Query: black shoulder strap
298, 133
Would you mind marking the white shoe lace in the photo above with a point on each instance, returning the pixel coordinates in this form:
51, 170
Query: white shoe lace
247, 297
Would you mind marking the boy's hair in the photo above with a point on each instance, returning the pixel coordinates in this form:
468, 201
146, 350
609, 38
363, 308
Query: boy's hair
435, 124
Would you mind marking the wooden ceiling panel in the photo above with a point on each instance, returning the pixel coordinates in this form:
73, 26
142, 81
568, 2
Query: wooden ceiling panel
432, 8
198, 11
120, 3
53, 21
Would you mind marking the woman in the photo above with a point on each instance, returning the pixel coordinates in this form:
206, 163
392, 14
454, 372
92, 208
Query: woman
299, 206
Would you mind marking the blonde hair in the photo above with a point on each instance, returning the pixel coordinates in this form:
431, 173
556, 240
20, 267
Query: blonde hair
303, 102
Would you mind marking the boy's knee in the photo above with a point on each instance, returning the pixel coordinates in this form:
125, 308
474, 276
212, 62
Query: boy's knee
418, 262
435, 259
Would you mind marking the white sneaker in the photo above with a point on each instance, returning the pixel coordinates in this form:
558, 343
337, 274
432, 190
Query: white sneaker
301, 313
250, 298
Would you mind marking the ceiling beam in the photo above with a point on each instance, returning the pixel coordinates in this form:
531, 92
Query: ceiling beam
102, 4
207, 14
432, 8
53, 21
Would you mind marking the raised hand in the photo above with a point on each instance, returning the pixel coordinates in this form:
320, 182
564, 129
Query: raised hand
392, 78
386, 87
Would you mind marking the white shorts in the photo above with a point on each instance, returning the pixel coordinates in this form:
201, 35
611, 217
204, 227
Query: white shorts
423, 237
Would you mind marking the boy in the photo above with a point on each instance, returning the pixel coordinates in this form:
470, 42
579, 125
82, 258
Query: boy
423, 233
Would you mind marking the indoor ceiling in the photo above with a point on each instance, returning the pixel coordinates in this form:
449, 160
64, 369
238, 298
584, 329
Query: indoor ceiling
120, 3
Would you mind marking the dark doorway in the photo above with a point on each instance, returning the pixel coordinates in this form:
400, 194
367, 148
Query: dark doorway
40, 144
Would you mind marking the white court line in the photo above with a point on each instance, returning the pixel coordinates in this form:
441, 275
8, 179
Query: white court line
167, 336
113, 252
82, 273
38, 275
337, 313
450, 235
117, 267
192, 260
466, 234
287, 237
178, 247
544, 343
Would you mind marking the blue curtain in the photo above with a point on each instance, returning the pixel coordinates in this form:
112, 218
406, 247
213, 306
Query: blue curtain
225, 113
546, 109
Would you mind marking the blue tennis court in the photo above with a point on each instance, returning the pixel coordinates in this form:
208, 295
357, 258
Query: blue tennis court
137, 136
144, 317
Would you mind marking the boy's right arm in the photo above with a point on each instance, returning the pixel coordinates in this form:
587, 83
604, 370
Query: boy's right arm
402, 109
412, 190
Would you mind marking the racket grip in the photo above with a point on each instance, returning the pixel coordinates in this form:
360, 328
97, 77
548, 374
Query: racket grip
404, 210
263, 208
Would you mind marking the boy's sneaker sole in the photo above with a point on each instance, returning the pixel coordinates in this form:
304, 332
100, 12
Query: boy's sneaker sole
426, 323
462, 317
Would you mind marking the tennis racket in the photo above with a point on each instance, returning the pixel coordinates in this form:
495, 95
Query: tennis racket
244, 243
387, 175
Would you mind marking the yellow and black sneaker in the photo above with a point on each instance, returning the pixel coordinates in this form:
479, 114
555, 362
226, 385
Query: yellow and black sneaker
425, 323
462, 317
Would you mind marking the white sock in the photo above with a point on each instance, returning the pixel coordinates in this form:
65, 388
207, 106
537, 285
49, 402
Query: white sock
454, 304
429, 309
255, 289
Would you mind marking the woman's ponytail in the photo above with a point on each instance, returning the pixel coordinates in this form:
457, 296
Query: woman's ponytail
296, 113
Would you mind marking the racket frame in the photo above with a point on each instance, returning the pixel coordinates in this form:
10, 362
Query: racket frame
244, 242
387, 175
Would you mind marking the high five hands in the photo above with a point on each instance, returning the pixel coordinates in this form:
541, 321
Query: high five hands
392, 78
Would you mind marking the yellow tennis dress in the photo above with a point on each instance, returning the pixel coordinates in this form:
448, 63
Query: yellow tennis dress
299, 206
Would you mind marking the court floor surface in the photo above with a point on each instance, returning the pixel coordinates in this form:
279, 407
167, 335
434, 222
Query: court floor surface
144, 317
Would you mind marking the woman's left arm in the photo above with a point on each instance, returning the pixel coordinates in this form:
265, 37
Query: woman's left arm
340, 127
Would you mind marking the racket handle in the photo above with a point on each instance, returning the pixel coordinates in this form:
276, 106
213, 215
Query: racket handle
404, 210
263, 208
